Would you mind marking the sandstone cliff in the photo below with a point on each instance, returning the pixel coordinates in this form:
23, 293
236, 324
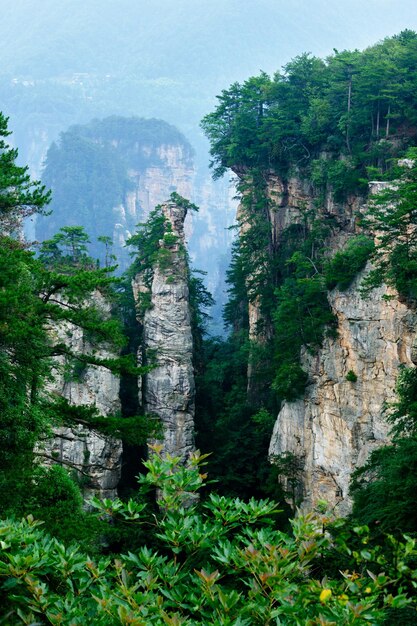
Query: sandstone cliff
333, 429
337, 423
168, 389
108, 175
170, 169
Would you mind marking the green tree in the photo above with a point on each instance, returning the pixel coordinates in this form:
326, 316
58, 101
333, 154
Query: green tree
392, 216
385, 489
342, 268
57, 288
19, 195
359, 106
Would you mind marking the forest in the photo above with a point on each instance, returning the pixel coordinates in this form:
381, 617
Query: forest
219, 539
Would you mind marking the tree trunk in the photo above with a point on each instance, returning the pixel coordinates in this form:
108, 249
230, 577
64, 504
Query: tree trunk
349, 106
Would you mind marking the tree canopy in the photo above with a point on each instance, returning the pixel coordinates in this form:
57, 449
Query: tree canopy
361, 105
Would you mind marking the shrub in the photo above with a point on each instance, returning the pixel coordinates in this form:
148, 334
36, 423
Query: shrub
290, 381
351, 376
221, 562
344, 266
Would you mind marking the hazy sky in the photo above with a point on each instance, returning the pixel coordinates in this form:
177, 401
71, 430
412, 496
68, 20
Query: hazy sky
232, 38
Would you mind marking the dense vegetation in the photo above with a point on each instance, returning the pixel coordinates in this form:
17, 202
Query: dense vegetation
222, 563
392, 469
361, 105
332, 125
60, 287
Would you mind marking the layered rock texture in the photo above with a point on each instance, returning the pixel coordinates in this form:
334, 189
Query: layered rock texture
170, 168
168, 389
337, 423
97, 457
334, 428
108, 175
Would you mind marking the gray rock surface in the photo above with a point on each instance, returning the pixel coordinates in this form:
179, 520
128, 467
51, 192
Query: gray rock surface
335, 426
168, 390
97, 457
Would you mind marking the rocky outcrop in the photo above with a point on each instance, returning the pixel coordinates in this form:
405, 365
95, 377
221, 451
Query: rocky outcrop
168, 389
97, 457
170, 169
334, 428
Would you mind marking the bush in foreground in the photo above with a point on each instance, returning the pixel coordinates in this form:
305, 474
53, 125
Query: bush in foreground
219, 562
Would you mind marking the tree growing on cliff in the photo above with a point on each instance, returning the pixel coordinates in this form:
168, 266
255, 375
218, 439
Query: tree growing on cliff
38, 293
385, 489
360, 106
392, 215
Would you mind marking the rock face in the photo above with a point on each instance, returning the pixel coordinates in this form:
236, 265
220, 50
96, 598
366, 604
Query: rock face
97, 457
171, 169
108, 175
168, 389
336, 425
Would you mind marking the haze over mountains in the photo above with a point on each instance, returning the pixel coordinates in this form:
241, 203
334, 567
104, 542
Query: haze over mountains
66, 61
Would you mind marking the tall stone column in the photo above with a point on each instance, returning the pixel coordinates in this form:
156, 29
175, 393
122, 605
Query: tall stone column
168, 389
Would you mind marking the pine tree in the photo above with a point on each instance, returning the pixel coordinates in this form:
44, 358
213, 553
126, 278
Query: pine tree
19, 195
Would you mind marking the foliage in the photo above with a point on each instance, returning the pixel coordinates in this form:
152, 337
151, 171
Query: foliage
67, 249
33, 296
227, 422
284, 281
254, 247
54, 496
359, 106
351, 377
133, 429
221, 562
392, 215
391, 469
344, 266
290, 381
44, 300
289, 469
200, 300
235, 312
19, 195
301, 318
88, 172
88, 179
335, 122
183, 202
152, 242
